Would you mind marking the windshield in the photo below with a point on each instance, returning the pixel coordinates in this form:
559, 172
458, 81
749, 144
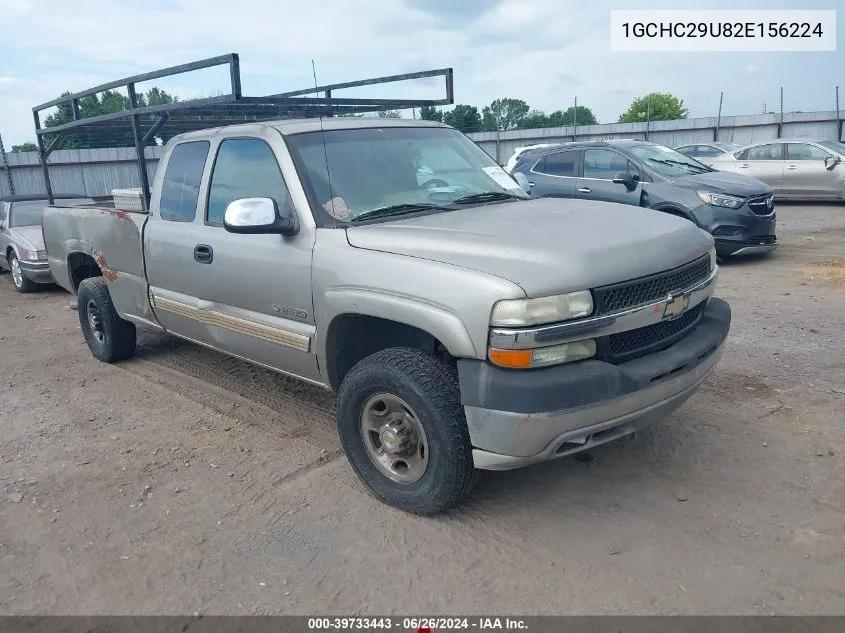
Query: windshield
408, 169
26, 213
836, 146
666, 161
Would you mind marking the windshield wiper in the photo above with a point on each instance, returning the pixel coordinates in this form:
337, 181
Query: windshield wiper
397, 209
669, 161
487, 196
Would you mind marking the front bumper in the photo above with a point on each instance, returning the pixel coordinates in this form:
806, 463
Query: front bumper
520, 417
742, 232
36, 272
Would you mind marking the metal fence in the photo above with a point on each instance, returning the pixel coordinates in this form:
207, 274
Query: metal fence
95, 172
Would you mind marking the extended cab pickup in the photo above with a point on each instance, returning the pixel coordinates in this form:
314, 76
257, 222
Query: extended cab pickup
463, 324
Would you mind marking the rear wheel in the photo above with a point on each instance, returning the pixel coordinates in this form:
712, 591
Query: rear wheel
109, 337
403, 429
21, 283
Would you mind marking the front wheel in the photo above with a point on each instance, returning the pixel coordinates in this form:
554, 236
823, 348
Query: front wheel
404, 432
109, 337
21, 283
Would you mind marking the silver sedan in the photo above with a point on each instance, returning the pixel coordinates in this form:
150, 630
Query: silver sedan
21, 242
797, 169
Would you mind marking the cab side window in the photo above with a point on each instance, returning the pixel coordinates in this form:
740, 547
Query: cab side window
603, 164
245, 168
558, 164
180, 188
803, 151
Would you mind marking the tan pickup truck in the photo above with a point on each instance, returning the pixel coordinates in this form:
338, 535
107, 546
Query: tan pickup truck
463, 324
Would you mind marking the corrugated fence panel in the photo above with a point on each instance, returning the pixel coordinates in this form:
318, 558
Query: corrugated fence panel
98, 171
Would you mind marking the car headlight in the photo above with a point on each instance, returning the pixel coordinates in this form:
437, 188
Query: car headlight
521, 312
33, 256
712, 257
542, 356
720, 199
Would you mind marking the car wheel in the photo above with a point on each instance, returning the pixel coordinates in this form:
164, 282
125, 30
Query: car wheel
109, 337
403, 429
21, 283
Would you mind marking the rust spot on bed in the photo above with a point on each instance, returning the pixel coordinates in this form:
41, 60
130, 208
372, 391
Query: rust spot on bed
108, 273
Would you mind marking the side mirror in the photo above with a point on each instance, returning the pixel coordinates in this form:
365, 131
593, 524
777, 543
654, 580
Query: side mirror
257, 215
831, 161
625, 178
522, 181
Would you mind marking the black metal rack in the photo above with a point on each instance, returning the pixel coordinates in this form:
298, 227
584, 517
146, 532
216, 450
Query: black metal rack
204, 113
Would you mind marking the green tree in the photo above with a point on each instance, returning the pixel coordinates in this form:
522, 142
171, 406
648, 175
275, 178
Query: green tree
655, 106
29, 146
430, 113
582, 115
534, 119
108, 102
506, 113
464, 118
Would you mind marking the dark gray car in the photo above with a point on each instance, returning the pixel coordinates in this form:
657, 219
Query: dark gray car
737, 210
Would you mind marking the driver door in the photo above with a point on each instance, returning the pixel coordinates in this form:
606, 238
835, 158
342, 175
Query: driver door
600, 167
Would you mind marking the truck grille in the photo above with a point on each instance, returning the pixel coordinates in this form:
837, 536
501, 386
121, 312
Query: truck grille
763, 239
624, 346
763, 205
651, 288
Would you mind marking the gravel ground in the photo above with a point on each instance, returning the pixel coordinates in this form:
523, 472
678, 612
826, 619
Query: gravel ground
184, 481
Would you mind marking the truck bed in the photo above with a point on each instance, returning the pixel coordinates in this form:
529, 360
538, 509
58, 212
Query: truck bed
99, 240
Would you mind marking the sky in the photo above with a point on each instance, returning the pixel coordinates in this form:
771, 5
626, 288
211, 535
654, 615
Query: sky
547, 52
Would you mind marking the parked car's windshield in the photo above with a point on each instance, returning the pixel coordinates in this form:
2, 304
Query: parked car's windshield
376, 168
26, 213
836, 146
666, 161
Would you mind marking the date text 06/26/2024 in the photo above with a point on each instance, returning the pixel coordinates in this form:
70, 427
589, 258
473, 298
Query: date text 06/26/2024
722, 31
415, 624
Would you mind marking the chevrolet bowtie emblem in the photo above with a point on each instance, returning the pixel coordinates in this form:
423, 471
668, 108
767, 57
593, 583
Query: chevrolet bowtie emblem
675, 306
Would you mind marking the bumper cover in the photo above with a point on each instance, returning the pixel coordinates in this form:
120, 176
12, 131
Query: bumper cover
37, 272
517, 418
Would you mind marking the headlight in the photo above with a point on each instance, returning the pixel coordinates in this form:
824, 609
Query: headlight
720, 199
712, 257
521, 312
33, 256
542, 356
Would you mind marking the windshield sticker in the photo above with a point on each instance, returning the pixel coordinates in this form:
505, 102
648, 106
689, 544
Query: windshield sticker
501, 177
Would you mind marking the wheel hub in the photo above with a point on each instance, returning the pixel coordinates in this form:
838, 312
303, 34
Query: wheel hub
396, 435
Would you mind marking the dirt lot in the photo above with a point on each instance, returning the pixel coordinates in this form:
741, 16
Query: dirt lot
183, 481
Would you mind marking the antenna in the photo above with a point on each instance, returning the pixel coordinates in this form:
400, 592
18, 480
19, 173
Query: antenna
323, 136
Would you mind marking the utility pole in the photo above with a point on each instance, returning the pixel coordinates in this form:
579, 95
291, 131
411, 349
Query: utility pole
718, 117
575, 119
780, 121
6, 167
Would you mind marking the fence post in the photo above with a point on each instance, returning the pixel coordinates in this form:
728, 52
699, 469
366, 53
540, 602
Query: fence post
6, 167
780, 123
838, 119
575, 120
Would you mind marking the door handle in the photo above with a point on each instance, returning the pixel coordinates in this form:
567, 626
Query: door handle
792, 166
744, 166
584, 190
203, 253
531, 184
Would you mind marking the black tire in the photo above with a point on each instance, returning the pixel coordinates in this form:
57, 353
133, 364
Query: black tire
115, 338
430, 388
25, 284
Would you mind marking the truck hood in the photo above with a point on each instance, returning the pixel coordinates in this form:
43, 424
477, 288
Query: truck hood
544, 245
28, 237
725, 182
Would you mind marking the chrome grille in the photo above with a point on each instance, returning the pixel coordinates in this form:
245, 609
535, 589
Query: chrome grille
762, 205
651, 288
618, 348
